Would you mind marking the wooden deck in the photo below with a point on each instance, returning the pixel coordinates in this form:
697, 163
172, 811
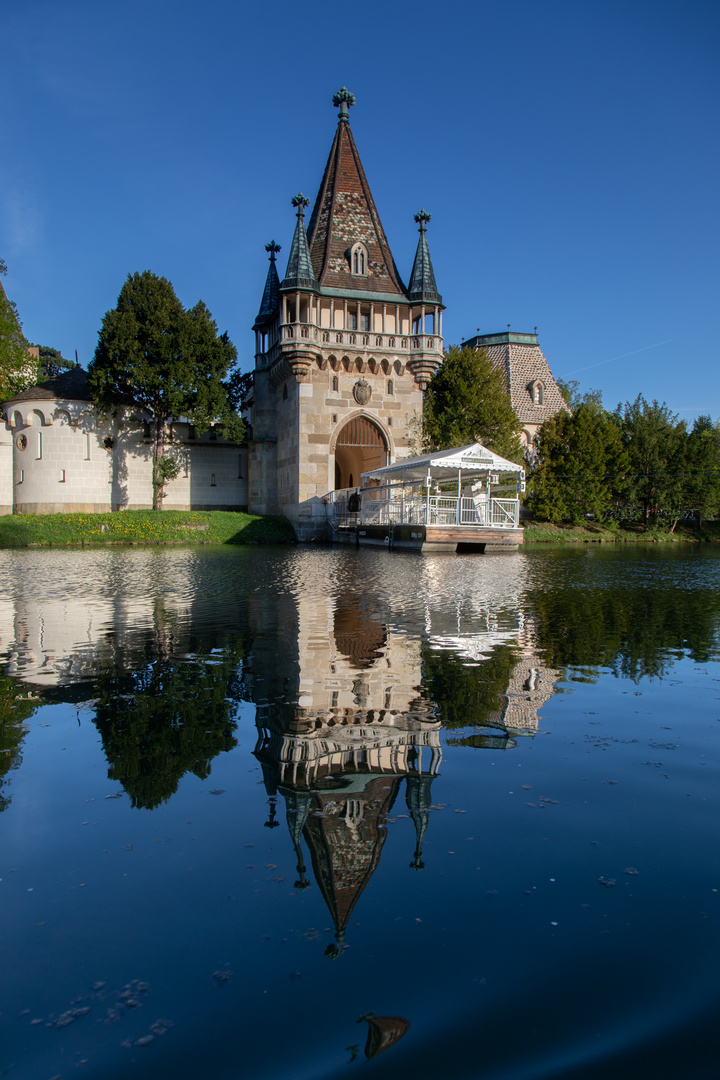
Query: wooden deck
431, 537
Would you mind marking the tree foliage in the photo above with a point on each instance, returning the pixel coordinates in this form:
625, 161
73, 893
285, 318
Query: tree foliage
639, 462
655, 443
52, 362
466, 402
170, 717
18, 368
169, 361
580, 459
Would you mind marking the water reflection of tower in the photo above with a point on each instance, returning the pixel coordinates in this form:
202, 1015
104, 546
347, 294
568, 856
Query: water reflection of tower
338, 760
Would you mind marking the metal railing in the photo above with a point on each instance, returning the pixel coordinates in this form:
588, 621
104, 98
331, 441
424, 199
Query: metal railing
345, 509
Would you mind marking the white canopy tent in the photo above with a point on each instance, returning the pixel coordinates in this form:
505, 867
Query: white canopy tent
443, 465
446, 488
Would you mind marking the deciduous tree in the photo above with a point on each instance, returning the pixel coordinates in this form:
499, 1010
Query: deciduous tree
18, 368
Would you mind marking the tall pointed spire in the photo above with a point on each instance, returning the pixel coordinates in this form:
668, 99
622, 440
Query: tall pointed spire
271, 292
422, 287
345, 215
300, 274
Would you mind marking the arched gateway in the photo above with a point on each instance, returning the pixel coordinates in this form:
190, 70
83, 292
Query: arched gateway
361, 446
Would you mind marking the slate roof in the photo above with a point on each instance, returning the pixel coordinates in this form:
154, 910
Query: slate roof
422, 287
71, 384
345, 213
271, 292
300, 273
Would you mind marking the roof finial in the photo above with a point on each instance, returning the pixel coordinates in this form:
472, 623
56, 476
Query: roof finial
344, 99
422, 219
273, 248
301, 202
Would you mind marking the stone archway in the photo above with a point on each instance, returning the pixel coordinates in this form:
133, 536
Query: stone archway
361, 445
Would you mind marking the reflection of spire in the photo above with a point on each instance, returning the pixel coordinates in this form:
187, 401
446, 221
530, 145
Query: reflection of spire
417, 797
271, 823
346, 840
297, 806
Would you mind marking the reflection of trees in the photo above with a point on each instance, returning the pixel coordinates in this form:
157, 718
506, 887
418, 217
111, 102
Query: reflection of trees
15, 708
168, 717
635, 632
468, 695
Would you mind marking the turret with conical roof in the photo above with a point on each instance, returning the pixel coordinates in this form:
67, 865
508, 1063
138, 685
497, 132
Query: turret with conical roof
300, 274
422, 287
271, 292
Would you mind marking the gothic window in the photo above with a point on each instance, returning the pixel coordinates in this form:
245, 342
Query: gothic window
358, 259
390, 386
326, 336
335, 384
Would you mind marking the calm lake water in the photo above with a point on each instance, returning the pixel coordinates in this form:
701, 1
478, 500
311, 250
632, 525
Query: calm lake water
335, 813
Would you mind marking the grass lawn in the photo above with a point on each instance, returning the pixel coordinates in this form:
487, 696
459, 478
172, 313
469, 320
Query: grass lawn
542, 532
143, 527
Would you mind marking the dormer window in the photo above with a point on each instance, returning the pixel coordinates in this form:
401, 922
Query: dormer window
358, 259
537, 392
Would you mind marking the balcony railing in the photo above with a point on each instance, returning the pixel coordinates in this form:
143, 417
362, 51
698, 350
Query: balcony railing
361, 339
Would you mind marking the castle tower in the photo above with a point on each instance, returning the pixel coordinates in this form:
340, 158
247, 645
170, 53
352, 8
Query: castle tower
343, 349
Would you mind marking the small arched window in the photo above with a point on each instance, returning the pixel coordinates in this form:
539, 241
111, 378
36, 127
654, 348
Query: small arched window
537, 392
390, 386
335, 384
358, 259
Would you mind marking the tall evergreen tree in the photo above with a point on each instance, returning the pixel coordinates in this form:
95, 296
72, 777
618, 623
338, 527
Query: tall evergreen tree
703, 463
466, 402
168, 361
655, 442
579, 461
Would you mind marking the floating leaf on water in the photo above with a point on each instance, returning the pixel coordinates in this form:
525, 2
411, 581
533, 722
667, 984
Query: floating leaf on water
607, 882
630, 870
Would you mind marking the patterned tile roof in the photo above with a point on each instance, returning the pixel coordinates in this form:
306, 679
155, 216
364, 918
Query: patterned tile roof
345, 213
524, 365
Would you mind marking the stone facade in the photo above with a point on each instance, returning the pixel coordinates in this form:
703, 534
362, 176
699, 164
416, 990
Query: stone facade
343, 351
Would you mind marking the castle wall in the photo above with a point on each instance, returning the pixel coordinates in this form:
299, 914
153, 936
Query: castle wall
60, 457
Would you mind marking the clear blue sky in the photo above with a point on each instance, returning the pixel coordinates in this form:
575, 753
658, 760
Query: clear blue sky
568, 153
